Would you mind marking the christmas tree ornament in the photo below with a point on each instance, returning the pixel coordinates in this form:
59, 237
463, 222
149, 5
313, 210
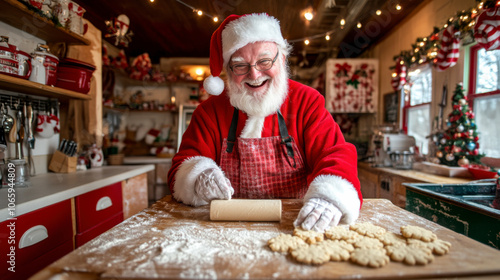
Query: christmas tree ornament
463, 161
460, 128
471, 146
487, 30
439, 154
457, 150
450, 157
462, 102
442, 141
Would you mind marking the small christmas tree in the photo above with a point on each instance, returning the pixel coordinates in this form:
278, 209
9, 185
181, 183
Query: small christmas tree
459, 144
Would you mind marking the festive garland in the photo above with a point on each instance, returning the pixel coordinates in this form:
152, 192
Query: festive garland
426, 49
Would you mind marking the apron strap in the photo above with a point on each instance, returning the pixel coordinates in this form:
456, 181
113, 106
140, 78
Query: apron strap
285, 137
231, 137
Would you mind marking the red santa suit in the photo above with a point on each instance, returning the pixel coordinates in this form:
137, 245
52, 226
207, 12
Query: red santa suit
330, 163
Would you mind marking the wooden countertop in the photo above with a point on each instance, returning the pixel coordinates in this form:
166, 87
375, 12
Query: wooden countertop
172, 240
49, 188
415, 175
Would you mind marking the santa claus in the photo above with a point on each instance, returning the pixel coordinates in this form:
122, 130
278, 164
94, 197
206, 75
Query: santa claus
264, 136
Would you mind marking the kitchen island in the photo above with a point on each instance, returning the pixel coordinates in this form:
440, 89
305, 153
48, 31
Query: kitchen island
170, 240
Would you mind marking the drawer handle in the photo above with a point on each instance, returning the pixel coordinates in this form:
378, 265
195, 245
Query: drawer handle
103, 203
33, 236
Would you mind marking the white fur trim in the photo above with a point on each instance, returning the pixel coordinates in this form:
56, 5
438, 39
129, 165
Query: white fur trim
250, 29
253, 127
338, 191
186, 176
213, 85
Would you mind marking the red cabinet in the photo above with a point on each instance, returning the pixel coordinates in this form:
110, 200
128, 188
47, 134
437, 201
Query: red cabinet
97, 211
40, 237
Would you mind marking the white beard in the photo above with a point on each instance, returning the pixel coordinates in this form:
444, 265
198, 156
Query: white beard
261, 105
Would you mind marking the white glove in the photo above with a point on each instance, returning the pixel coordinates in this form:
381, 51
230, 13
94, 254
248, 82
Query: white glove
212, 184
318, 214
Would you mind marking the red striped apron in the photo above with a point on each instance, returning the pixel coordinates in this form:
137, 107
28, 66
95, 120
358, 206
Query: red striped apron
261, 168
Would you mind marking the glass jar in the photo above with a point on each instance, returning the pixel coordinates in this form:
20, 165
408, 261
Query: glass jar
16, 169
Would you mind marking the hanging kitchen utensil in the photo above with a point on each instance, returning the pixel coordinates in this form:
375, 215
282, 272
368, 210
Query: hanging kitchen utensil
7, 122
29, 119
12, 131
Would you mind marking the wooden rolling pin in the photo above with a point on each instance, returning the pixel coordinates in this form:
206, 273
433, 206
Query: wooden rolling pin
258, 210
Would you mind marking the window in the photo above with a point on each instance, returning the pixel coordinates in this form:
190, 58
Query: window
484, 98
416, 111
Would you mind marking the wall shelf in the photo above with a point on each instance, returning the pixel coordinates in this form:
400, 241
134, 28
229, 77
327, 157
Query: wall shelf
29, 87
19, 16
121, 110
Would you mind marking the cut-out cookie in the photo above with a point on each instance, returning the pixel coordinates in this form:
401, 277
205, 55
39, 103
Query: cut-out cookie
372, 257
368, 229
391, 238
416, 232
309, 236
284, 242
341, 233
310, 254
367, 242
438, 247
338, 250
410, 254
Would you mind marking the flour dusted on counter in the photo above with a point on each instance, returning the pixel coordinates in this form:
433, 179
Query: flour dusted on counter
196, 250
186, 248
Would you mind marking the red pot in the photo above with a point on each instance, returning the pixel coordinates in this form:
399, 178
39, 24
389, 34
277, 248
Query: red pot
74, 75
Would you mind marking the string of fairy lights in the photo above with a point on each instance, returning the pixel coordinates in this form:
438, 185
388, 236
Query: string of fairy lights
308, 14
199, 12
425, 49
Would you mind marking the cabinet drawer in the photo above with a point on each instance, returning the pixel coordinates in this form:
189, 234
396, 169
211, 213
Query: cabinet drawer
84, 237
97, 206
36, 233
24, 271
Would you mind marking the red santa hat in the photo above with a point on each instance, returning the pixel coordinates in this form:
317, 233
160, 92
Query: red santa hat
234, 33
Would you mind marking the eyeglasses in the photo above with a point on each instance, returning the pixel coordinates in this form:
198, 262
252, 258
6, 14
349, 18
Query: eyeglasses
261, 65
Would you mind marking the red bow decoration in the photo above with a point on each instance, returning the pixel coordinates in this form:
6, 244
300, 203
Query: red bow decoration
343, 69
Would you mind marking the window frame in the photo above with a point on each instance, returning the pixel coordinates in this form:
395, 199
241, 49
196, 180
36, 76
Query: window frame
471, 91
472, 96
406, 103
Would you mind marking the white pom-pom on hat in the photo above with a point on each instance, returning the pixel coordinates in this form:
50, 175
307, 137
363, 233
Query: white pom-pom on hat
213, 85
